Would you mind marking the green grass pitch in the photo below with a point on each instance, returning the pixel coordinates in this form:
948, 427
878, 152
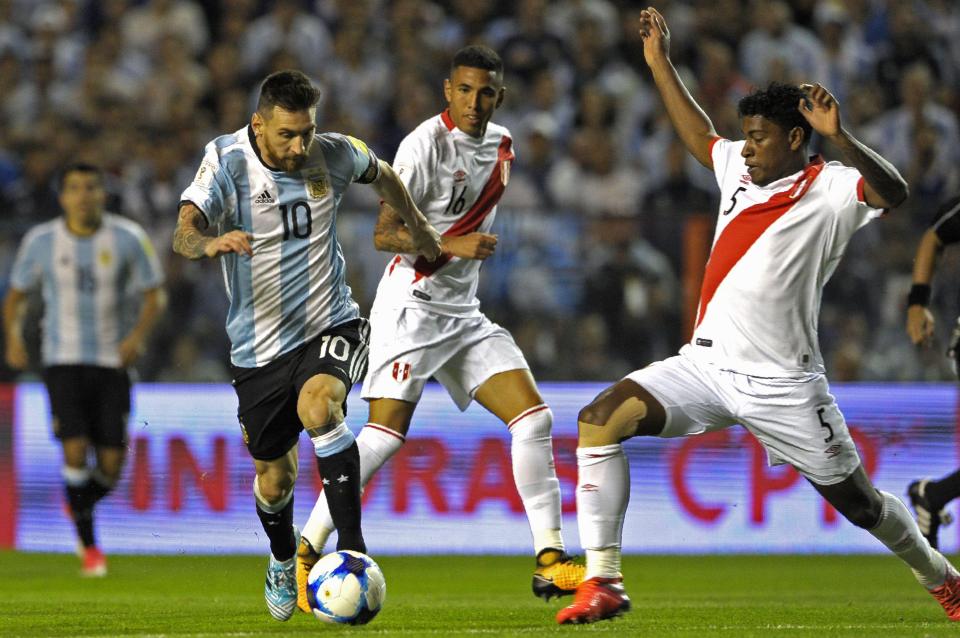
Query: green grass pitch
447, 596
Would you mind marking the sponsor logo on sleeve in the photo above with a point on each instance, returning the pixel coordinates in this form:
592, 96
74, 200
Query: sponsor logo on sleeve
505, 172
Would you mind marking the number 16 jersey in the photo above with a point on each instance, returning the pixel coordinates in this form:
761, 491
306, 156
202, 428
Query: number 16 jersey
456, 180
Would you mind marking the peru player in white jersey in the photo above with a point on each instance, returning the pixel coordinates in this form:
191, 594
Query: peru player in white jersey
426, 318
298, 344
783, 223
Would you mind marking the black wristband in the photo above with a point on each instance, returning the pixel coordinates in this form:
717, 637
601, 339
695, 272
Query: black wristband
919, 295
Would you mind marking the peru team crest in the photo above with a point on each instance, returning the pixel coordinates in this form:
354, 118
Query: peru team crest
401, 371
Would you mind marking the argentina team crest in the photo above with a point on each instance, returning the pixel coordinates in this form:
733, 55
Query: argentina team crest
316, 181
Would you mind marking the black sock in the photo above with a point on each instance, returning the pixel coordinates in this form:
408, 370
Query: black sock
279, 529
81, 508
97, 489
941, 492
341, 484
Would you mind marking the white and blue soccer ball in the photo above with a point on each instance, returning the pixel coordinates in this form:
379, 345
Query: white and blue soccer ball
346, 587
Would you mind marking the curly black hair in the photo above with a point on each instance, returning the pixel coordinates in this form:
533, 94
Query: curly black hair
778, 103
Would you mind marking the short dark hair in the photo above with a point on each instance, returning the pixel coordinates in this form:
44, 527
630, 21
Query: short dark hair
478, 56
78, 167
290, 89
778, 103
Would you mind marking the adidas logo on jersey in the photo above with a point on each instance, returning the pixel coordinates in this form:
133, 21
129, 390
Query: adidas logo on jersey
264, 198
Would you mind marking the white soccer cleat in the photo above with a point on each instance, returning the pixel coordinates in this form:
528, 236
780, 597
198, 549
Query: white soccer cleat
280, 589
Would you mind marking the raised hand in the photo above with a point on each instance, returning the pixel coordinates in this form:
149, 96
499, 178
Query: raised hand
471, 245
820, 109
655, 35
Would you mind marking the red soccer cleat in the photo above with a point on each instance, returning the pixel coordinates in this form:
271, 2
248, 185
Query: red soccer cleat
948, 594
94, 562
596, 599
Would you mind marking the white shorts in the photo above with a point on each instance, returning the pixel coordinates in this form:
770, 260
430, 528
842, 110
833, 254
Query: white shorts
796, 420
410, 345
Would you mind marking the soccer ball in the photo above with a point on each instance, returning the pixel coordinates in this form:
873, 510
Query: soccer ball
346, 587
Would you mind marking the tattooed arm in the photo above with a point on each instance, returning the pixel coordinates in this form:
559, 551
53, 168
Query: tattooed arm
392, 236
189, 240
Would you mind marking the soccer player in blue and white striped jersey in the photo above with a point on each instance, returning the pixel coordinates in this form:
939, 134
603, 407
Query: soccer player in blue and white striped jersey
94, 270
272, 190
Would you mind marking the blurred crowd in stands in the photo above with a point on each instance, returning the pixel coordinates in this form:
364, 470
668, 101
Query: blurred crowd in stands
603, 218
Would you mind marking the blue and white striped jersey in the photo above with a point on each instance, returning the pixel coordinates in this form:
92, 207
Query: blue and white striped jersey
92, 287
294, 286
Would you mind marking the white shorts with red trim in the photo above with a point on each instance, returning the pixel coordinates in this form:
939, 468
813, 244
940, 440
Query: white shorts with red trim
796, 420
410, 345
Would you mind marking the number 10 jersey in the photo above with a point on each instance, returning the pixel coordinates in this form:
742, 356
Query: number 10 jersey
293, 287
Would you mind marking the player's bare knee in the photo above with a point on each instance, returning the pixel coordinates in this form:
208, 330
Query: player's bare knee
274, 486
319, 409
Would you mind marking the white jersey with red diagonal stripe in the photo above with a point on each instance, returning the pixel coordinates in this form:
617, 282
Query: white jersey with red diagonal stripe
774, 248
456, 180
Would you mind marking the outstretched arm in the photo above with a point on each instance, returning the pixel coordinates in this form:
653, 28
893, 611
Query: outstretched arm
920, 321
189, 240
691, 123
883, 185
424, 238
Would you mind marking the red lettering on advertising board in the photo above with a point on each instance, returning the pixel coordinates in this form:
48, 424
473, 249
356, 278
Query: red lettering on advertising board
705, 512
212, 482
491, 477
421, 460
8, 470
140, 487
765, 480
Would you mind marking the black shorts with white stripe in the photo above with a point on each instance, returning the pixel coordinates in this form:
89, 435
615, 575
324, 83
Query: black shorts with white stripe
268, 395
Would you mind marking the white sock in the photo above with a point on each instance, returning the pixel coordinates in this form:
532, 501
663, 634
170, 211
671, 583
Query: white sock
75, 476
376, 444
899, 532
603, 491
536, 476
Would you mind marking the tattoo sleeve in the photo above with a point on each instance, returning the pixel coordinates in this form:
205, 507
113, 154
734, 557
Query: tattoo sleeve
390, 234
187, 238
877, 171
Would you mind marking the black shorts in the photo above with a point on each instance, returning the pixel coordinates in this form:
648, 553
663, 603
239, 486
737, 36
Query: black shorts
90, 401
268, 395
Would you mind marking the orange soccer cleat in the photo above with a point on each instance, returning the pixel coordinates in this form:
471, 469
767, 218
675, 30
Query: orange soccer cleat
307, 557
948, 594
94, 562
596, 599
